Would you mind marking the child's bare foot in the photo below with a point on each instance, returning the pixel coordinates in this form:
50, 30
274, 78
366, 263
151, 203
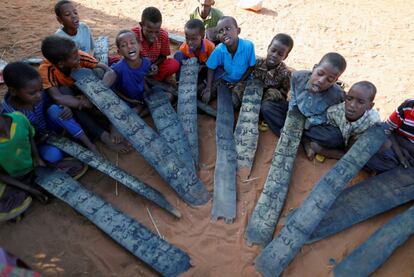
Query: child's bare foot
121, 147
116, 137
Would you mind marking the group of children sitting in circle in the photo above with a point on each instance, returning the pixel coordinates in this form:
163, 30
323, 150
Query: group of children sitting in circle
44, 101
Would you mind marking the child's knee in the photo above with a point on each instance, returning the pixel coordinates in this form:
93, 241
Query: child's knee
53, 112
50, 154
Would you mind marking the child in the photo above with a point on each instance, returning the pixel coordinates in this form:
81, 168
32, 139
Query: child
79, 32
210, 17
25, 95
272, 71
62, 57
195, 46
155, 45
400, 125
18, 157
312, 92
130, 72
352, 117
237, 57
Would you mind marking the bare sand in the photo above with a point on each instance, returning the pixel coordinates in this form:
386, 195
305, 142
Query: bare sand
377, 39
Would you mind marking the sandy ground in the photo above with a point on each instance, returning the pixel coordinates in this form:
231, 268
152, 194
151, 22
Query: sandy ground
377, 39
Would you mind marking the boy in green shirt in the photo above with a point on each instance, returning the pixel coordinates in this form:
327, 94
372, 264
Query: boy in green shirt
18, 158
210, 17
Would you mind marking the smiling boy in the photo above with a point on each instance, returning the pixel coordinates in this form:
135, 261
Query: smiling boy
79, 32
209, 16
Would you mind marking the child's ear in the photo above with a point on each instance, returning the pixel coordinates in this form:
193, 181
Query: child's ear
372, 105
119, 52
238, 30
59, 20
60, 64
12, 91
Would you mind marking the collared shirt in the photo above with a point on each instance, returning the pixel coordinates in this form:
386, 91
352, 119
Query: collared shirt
53, 77
336, 117
274, 79
161, 45
83, 38
402, 119
207, 48
36, 115
312, 105
236, 66
211, 20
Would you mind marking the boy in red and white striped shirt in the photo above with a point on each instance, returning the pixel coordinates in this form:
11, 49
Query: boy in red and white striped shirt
401, 128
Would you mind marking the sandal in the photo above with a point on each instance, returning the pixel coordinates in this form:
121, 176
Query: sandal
13, 202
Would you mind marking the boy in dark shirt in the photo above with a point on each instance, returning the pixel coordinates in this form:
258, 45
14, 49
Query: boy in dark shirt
312, 92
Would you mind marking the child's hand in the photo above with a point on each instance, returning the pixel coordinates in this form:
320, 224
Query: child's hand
406, 159
154, 69
65, 113
206, 95
84, 103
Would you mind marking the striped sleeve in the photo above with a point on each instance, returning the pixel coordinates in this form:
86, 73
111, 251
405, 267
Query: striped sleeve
165, 43
403, 112
86, 60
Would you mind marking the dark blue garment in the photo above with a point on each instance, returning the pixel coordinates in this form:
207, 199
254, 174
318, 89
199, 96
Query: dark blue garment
130, 81
312, 105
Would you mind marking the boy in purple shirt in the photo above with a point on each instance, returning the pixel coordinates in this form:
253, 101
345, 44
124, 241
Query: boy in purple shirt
131, 71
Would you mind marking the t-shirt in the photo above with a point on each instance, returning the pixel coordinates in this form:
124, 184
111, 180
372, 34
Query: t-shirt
161, 45
16, 152
53, 77
276, 81
236, 66
36, 115
211, 20
336, 117
83, 37
402, 119
207, 48
312, 105
130, 81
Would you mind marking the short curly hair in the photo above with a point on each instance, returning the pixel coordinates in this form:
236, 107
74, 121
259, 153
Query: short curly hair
151, 14
56, 48
17, 74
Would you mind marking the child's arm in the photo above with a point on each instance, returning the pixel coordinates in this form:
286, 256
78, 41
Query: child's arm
37, 161
403, 155
68, 100
8, 180
206, 93
109, 76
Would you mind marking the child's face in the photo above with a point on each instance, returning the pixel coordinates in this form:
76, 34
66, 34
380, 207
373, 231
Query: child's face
193, 38
151, 30
129, 47
228, 33
31, 93
276, 53
69, 16
72, 62
324, 75
358, 100
205, 6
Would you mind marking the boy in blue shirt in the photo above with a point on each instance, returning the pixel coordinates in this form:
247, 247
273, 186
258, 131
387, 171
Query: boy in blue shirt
235, 55
312, 92
130, 72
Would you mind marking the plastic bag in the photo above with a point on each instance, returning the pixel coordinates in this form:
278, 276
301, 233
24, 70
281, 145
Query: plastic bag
254, 5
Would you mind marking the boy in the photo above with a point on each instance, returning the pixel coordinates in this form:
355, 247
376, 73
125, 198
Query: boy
79, 32
155, 45
272, 71
210, 17
237, 57
352, 117
130, 72
195, 46
312, 92
62, 57
18, 157
400, 125
25, 95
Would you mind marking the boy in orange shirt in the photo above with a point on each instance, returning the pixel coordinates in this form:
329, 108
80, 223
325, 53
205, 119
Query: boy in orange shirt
195, 46
62, 57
